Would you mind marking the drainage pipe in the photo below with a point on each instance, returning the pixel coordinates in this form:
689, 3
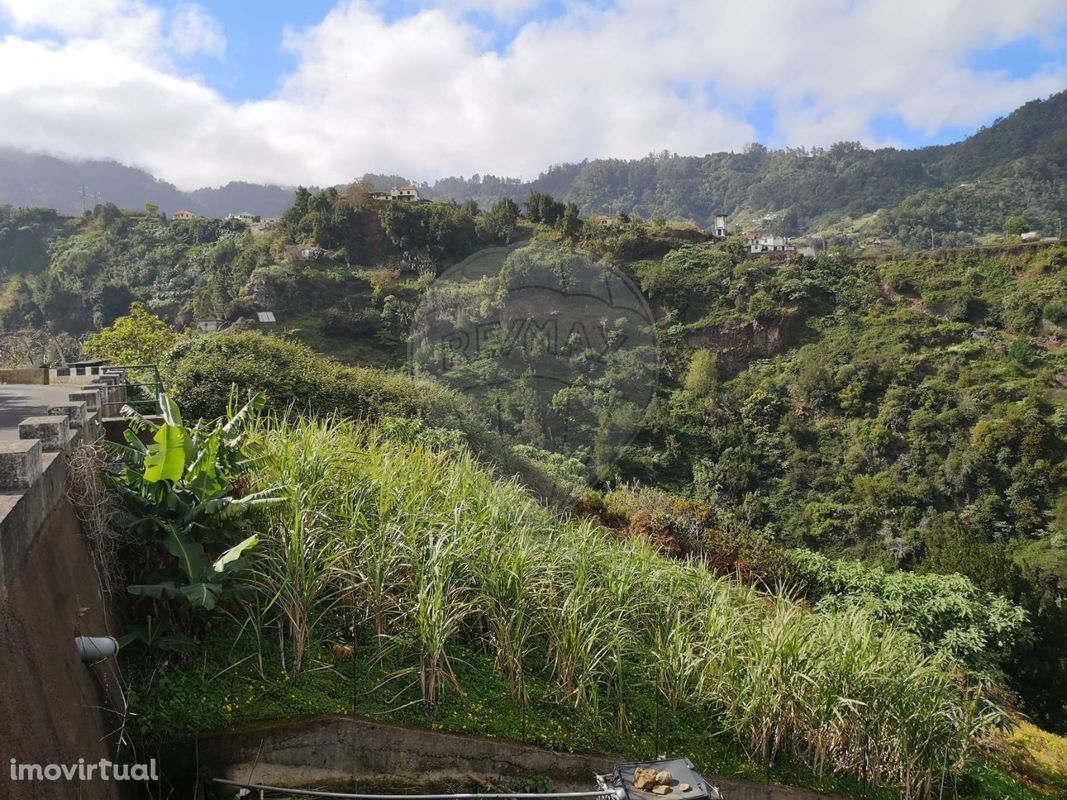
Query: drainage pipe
615, 793
94, 648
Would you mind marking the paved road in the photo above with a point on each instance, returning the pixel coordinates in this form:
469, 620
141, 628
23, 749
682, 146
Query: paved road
18, 401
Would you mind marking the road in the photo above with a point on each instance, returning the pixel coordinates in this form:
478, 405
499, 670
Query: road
18, 401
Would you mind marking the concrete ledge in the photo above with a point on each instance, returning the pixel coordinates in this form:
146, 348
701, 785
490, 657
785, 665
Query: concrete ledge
52, 431
20, 464
75, 412
21, 515
91, 398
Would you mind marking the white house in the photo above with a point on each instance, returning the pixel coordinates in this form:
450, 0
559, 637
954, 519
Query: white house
210, 325
720, 226
408, 193
243, 216
770, 244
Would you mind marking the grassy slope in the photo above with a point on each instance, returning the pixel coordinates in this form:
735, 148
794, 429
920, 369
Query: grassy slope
234, 679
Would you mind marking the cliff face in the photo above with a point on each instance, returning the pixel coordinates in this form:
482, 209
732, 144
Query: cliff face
737, 343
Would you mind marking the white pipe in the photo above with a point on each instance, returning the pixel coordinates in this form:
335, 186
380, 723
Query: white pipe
94, 648
461, 796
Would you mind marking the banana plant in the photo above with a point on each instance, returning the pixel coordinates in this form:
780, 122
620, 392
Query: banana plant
179, 494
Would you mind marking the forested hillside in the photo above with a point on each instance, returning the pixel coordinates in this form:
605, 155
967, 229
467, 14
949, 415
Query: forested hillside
905, 412
945, 195
869, 438
1007, 177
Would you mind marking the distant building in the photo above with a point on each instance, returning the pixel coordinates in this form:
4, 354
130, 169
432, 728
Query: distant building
243, 216
266, 319
1030, 236
720, 226
770, 244
184, 215
210, 325
408, 193
608, 220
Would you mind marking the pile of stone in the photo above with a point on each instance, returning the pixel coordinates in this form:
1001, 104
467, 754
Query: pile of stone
662, 782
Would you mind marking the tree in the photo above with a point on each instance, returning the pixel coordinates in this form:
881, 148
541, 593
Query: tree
1016, 225
498, 224
702, 375
357, 194
543, 208
570, 223
138, 338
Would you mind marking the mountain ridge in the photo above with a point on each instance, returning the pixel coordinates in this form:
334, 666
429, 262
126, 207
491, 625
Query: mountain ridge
953, 194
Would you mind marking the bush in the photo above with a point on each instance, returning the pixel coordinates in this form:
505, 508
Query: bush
947, 612
200, 373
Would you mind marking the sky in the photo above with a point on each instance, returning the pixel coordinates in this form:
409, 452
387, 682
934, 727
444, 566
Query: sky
322, 91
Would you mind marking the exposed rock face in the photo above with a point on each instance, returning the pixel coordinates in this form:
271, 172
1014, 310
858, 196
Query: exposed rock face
260, 288
736, 343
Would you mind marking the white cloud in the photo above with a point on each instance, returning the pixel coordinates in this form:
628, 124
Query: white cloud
193, 30
130, 27
425, 95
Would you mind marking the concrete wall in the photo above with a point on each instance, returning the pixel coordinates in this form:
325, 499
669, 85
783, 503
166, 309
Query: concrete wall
345, 751
75, 375
54, 709
34, 375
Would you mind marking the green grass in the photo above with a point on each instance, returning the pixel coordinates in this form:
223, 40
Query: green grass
432, 565
222, 687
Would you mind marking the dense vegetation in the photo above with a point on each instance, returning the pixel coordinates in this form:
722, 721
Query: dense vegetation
905, 412
414, 555
848, 488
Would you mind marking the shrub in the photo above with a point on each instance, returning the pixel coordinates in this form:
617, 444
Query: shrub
201, 372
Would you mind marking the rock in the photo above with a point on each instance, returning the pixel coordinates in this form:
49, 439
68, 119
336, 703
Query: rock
684, 787
661, 789
644, 779
664, 778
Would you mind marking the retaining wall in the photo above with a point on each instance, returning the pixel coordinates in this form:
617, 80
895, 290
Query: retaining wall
343, 751
54, 709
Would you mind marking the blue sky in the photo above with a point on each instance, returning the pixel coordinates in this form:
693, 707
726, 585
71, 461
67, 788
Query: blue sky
324, 90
